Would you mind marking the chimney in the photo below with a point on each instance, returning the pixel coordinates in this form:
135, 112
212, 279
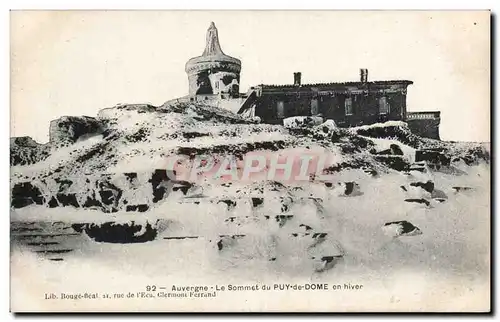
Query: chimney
363, 73
296, 78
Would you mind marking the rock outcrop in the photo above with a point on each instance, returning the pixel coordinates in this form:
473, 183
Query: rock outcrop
394, 130
401, 228
68, 129
299, 121
394, 149
24, 151
25, 194
121, 233
107, 193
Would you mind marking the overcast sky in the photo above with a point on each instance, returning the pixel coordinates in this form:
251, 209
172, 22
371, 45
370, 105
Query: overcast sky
75, 63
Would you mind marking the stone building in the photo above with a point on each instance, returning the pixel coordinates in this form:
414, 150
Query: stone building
347, 103
214, 78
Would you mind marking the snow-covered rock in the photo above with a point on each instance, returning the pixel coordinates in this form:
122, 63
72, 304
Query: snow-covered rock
24, 151
328, 124
401, 228
299, 121
345, 189
119, 182
122, 233
68, 129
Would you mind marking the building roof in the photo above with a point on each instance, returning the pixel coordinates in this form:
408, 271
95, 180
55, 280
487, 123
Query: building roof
335, 84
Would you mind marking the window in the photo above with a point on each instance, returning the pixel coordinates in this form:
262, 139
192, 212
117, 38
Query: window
383, 106
314, 106
280, 112
348, 106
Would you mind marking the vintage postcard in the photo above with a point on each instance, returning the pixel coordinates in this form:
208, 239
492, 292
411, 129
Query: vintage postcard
250, 161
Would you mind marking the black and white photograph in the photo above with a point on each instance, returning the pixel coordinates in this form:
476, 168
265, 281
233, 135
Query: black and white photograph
250, 161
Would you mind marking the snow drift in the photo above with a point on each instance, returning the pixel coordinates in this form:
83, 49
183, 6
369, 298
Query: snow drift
383, 211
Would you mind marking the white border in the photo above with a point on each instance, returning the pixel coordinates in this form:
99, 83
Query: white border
7, 5
255, 4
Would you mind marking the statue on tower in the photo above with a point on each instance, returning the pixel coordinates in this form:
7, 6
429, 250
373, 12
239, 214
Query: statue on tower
213, 46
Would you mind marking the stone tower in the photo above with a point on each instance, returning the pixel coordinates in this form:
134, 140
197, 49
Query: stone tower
213, 72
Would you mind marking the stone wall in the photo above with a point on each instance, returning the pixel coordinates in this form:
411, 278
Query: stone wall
424, 124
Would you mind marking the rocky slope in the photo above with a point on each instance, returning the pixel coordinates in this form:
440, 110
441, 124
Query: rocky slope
108, 176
